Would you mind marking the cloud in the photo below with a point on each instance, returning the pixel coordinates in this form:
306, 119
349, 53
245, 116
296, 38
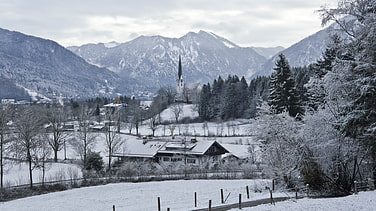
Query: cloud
245, 22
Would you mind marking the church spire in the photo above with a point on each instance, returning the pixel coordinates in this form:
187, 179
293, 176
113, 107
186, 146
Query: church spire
180, 72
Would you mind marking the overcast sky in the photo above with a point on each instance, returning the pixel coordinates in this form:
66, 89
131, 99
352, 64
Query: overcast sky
264, 23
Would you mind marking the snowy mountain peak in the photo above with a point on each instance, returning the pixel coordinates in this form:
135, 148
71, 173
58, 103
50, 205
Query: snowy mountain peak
205, 56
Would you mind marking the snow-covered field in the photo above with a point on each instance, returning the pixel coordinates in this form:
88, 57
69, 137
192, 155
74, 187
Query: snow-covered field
176, 195
361, 201
179, 195
18, 173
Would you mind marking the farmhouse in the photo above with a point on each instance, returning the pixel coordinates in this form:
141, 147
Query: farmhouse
170, 151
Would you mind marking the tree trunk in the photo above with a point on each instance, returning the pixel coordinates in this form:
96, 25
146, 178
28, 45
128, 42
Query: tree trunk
1, 162
55, 155
109, 161
30, 168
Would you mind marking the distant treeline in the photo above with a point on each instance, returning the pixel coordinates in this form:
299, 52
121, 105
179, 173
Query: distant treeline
235, 98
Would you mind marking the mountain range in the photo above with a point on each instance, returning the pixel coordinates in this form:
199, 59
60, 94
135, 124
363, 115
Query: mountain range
205, 55
153, 60
46, 69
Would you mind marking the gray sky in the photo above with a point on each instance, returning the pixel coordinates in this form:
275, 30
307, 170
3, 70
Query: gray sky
264, 23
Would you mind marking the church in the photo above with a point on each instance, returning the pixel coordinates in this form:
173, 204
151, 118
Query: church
186, 92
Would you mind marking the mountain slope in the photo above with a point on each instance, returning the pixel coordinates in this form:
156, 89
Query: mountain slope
45, 67
303, 53
153, 60
268, 52
9, 90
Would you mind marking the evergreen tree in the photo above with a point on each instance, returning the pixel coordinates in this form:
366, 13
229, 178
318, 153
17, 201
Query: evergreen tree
283, 95
204, 109
243, 101
230, 104
316, 93
217, 97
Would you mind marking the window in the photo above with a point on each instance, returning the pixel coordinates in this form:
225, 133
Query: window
176, 159
190, 160
166, 159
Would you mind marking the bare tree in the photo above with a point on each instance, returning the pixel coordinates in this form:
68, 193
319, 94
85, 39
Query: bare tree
205, 127
4, 118
113, 141
172, 127
177, 109
135, 114
84, 140
55, 118
41, 154
153, 124
28, 125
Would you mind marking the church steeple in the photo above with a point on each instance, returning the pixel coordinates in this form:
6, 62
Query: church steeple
180, 82
180, 72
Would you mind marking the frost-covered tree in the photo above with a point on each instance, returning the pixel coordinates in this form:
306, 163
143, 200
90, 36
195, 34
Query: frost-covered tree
281, 148
358, 76
283, 95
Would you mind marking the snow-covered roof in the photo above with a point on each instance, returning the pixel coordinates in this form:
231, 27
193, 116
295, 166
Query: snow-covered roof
141, 148
149, 148
197, 148
237, 150
113, 105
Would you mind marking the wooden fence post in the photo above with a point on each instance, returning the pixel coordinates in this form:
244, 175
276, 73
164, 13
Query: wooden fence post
240, 201
271, 196
210, 204
247, 192
159, 203
296, 192
355, 187
195, 199
113, 207
222, 198
307, 185
273, 184
168, 209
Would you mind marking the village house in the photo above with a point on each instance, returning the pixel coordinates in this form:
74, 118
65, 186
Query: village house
170, 151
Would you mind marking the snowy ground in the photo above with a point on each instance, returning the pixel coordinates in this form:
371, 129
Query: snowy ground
361, 201
18, 173
177, 195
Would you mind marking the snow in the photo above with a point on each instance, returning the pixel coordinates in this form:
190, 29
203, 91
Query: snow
229, 45
188, 111
142, 148
176, 195
179, 195
111, 44
360, 201
18, 174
